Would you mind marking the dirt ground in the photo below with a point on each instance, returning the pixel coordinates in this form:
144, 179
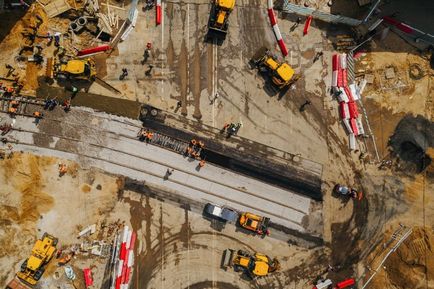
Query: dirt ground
35, 199
176, 245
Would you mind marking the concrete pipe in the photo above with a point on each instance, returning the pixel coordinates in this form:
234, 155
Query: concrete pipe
81, 21
75, 27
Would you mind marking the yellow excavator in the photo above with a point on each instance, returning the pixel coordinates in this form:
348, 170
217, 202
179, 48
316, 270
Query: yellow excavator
74, 69
253, 265
219, 19
281, 73
33, 268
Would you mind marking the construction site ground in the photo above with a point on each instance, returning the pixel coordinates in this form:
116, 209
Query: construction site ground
177, 246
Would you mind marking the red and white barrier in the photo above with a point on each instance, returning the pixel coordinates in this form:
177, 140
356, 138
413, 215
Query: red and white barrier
344, 110
335, 70
158, 12
276, 29
352, 108
307, 25
124, 259
347, 97
347, 126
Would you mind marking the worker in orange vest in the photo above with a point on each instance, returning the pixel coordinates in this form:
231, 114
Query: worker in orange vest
12, 110
193, 142
38, 116
150, 135
201, 144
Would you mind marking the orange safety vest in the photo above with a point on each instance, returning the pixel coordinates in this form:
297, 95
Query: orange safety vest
150, 135
37, 114
202, 163
193, 142
12, 110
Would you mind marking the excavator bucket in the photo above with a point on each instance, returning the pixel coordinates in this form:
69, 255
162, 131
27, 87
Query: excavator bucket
260, 55
274, 266
227, 259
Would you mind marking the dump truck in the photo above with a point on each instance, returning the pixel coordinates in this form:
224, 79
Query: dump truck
33, 268
255, 223
253, 265
281, 73
74, 69
219, 19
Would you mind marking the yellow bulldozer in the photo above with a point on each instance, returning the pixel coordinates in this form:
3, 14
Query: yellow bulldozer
74, 69
219, 19
33, 268
253, 265
281, 73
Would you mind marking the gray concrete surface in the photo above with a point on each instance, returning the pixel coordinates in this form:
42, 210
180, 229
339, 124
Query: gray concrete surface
108, 142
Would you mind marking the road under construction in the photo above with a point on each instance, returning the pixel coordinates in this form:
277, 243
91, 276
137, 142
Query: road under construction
113, 146
226, 144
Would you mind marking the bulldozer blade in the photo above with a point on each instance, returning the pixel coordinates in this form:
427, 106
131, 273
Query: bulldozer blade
259, 55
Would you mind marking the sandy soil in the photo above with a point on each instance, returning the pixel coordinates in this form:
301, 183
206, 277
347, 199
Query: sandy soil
34, 200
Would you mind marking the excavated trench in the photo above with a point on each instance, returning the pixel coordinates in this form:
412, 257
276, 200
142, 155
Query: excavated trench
410, 142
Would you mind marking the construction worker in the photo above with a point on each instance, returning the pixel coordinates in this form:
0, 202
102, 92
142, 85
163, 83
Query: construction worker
62, 169
12, 111
189, 151
201, 163
38, 116
193, 142
201, 144
124, 74
149, 136
149, 71
67, 105
317, 56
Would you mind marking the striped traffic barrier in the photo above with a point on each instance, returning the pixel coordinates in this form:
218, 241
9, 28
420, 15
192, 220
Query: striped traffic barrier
276, 29
344, 110
352, 108
158, 12
335, 70
307, 25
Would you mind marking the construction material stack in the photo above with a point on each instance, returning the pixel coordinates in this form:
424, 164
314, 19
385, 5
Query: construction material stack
123, 258
347, 95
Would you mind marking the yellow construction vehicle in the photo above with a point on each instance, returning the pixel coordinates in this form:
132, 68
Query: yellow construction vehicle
255, 223
42, 252
281, 73
219, 19
253, 265
74, 69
